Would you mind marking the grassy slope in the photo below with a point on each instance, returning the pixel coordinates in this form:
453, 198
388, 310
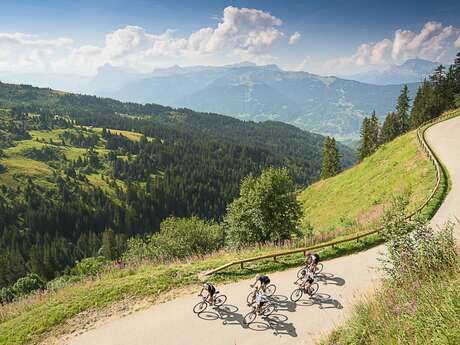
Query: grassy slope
428, 314
356, 197
19, 166
27, 321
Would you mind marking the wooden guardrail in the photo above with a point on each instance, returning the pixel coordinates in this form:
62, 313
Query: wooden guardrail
431, 155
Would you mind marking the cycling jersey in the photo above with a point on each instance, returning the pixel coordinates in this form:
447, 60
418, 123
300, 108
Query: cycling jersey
260, 298
211, 289
264, 280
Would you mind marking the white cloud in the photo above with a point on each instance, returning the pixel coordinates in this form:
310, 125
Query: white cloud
294, 38
434, 42
241, 33
20, 52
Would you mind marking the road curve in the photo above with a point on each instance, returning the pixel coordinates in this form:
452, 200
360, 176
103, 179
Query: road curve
346, 279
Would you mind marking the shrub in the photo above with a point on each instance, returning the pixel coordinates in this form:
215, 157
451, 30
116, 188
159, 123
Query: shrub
415, 250
178, 238
62, 281
266, 211
6, 295
90, 266
26, 285
137, 250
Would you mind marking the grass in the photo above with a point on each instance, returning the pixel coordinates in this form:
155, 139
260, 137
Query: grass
28, 321
133, 136
424, 313
357, 197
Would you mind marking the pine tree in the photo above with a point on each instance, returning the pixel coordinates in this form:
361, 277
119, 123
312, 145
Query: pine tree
331, 159
370, 136
109, 245
364, 149
390, 128
456, 75
402, 111
374, 133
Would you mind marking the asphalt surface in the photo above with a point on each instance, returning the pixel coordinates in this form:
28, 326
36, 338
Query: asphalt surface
344, 281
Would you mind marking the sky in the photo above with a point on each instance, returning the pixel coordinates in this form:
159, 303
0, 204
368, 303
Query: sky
328, 37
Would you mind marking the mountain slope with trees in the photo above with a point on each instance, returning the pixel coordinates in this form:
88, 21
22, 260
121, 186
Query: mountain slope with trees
81, 174
322, 104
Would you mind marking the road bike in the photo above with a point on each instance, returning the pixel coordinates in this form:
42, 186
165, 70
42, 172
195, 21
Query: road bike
217, 301
266, 309
318, 269
298, 293
268, 291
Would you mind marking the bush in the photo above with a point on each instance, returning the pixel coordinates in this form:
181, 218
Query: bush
266, 211
6, 295
178, 238
137, 250
89, 267
26, 285
415, 250
62, 281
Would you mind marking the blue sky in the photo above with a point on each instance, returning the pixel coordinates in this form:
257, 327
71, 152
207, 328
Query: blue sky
330, 33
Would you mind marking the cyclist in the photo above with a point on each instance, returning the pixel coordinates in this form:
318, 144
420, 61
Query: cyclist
311, 261
260, 299
307, 280
261, 282
211, 290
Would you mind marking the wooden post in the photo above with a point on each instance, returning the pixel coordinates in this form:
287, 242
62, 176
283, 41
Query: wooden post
274, 259
241, 264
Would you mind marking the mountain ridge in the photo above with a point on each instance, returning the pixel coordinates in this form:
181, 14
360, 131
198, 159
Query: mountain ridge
326, 105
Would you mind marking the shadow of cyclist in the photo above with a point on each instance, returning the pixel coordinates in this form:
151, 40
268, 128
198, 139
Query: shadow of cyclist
279, 324
322, 300
329, 278
283, 303
229, 314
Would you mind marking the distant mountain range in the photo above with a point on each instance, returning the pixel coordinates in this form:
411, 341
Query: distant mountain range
326, 105
411, 71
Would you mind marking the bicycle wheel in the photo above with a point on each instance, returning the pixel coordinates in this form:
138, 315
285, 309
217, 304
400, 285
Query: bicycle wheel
296, 295
249, 317
270, 290
313, 289
200, 307
268, 310
301, 272
220, 300
251, 297
319, 268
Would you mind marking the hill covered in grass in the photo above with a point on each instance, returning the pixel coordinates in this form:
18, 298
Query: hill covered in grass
357, 197
74, 167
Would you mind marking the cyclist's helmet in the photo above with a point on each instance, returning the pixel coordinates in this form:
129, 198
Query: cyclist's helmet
205, 285
257, 276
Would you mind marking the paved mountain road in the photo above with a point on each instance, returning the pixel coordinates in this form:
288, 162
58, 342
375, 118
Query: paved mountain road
344, 281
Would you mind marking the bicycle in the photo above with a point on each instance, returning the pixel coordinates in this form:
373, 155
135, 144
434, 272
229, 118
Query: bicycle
298, 293
318, 269
217, 300
268, 291
267, 309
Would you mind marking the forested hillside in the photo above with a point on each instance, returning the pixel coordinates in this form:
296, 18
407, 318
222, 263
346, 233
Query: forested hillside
78, 170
